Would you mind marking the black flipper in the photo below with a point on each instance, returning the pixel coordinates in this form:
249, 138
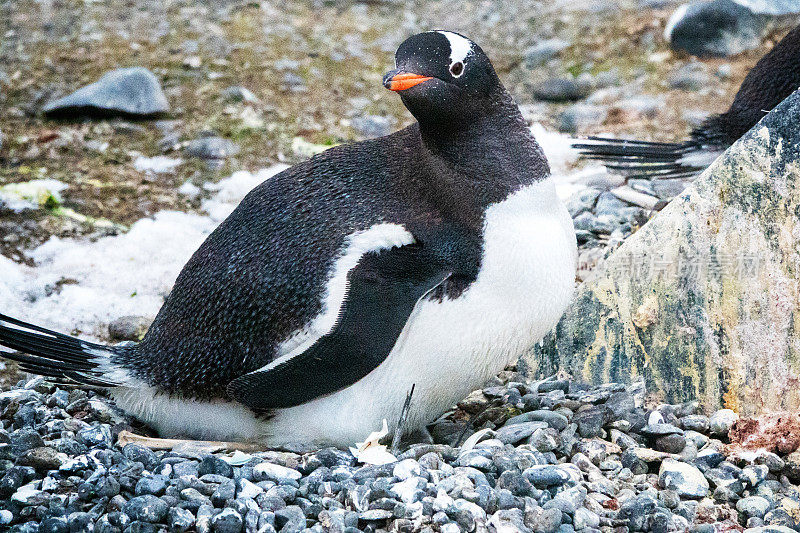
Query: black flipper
382, 292
53, 355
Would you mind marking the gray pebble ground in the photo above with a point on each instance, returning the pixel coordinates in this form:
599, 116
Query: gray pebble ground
554, 457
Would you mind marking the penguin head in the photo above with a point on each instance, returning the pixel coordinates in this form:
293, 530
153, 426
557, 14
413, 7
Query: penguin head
443, 78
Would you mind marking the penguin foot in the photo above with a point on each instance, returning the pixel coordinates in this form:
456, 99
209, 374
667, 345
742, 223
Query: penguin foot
185, 446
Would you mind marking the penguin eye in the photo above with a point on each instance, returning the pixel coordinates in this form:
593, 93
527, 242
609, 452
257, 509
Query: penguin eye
457, 69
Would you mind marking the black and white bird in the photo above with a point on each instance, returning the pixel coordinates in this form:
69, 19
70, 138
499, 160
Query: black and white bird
431, 257
773, 78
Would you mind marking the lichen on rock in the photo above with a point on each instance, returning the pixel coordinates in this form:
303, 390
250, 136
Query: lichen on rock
704, 301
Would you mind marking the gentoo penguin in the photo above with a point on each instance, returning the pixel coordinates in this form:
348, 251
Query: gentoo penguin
431, 257
773, 78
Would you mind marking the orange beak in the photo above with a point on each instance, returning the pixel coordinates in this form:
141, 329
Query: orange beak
403, 80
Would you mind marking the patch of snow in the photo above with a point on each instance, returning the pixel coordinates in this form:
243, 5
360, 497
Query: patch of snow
189, 189
557, 147
561, 157
83, 285
30, 194
159, 164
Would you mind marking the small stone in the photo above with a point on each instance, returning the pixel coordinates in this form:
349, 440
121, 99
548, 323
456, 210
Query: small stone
129, 328
722, 421
180, 519
717, 28
185, 468
580, 117
514, 433
584, 518
6, 517
42, 458
212, 147
683, 478
227, 521
543, 51
248, 489
277, 473
134, 452
546, 476
590, 421
95, 436
28, 495
155, 485
671, 443
508, 521
132, 92
698, 423
372, 126
560, 90
689, 77
237, 93
753, 506
211, 464
545, 439
23, 440
659, 430
291, 518
548, 521
147, 508
555, 420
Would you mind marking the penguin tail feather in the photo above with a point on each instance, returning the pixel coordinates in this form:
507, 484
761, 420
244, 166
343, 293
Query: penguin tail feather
58, 357
643, 159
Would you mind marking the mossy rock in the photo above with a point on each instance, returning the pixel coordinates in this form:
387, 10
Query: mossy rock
704, 301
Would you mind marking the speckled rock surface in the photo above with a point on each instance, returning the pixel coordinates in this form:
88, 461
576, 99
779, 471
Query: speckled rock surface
132, 92
703, 301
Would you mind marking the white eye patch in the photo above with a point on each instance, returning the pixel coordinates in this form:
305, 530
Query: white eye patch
460, 48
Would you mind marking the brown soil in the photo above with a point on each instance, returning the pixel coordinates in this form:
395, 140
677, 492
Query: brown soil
777, 432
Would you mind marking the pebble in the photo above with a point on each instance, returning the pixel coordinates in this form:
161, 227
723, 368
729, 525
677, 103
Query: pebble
514, 433
753, 506
134, 92
683, 478
689, 77
211, 147
372, 126
227, 521
237, 93
129, 328
717, 28
543, 51
722, 421
560, 90
147, 508
535, 471
277, 473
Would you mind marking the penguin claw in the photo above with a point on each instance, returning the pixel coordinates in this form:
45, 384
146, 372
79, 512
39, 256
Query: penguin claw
185, 446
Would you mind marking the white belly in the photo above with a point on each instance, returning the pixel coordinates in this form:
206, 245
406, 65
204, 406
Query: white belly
446, 350
450, 348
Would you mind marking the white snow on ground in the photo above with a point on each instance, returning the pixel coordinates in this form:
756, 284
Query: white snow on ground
127, 274
159, 164
81, 285
562, 156
30, 194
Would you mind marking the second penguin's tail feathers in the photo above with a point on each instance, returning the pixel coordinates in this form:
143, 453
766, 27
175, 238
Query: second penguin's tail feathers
58, 357
646, 159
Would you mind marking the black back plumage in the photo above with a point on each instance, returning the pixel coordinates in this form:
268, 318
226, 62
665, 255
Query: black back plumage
773, 78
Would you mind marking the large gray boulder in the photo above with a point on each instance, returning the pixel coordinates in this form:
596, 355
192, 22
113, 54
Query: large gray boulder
718, 28
130, 92
703, 302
